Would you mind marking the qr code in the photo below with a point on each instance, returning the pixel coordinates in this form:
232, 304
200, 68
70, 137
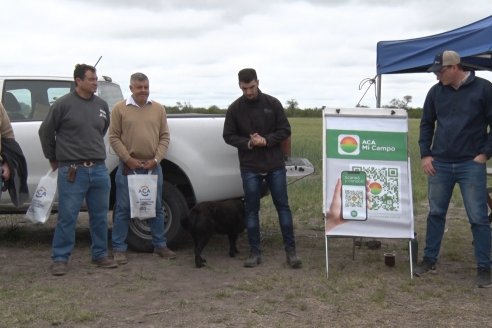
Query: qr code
384, 186
353, 198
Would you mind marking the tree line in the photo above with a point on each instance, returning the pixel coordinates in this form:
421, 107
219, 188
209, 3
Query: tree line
292, 108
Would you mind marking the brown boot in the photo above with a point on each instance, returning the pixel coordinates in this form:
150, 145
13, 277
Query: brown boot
105, 262
120, 257
59, 268
165, 252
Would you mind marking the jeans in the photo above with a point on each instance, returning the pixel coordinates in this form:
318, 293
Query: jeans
277, 184
93, 184
122, 212
472, 179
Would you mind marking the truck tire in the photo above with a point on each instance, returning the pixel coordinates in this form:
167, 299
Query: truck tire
139, 237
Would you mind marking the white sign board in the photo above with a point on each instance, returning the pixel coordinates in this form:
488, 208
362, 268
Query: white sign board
374, 141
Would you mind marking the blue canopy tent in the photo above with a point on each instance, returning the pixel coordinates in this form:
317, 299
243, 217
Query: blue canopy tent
473, 42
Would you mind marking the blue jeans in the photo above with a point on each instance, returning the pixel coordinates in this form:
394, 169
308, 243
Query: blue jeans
277, 184
472, 179
122, 212
93, 184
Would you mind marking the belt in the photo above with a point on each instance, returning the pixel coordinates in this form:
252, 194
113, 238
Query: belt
88, 163
84, 163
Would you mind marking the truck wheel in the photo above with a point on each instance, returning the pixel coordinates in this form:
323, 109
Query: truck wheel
175, 207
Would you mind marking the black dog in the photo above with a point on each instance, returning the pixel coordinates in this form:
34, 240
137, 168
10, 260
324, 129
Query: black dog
222, 217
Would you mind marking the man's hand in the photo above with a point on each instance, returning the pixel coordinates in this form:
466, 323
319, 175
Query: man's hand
150, 164
54, 164
427, 165
257, 141
134, 164
480, 158
5, 171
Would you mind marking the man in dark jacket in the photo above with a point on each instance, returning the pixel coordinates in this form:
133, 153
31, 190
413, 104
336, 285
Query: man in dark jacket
17, 167
256, 125
454, 146
6, 132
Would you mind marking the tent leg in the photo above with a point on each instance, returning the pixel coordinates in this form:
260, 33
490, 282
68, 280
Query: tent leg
378, 91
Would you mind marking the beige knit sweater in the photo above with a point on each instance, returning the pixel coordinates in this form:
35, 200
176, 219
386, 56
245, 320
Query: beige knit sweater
141, 133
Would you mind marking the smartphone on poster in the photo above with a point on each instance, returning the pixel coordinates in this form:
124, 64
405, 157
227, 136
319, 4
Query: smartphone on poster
354, 195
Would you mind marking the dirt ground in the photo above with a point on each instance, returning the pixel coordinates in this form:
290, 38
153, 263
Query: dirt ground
151, 292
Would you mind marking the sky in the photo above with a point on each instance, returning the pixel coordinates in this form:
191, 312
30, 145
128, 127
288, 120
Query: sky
316, 52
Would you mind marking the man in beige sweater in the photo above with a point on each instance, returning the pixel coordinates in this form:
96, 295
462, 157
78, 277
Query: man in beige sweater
139, 135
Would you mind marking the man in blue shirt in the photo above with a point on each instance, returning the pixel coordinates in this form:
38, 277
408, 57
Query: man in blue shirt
454, 146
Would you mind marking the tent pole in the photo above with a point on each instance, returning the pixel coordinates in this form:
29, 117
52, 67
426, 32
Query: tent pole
378, 91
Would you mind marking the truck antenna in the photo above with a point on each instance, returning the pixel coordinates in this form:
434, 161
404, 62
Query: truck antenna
98, 61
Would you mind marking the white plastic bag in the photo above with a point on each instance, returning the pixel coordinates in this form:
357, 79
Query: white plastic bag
143, 195
42, 201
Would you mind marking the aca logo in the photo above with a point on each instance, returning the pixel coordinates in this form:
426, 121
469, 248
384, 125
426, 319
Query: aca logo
375, 188
41, 192
348, 144
144, 191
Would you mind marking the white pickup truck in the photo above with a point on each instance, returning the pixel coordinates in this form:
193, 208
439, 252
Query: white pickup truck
199, 166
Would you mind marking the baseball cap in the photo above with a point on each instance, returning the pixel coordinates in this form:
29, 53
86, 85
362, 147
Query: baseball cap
445, 58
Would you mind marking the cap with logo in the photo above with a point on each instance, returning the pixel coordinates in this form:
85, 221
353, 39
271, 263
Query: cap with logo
445, 58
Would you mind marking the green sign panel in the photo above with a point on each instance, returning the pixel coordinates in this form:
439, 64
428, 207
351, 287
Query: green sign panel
371, 145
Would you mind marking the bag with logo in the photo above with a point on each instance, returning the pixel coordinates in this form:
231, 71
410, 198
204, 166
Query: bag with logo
42, 201
143, 194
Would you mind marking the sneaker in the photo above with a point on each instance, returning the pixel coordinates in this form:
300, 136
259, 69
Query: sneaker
105, 262
424, 267
165, 252
252, 261
483, 278
59, 268
292, 260
120, 257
